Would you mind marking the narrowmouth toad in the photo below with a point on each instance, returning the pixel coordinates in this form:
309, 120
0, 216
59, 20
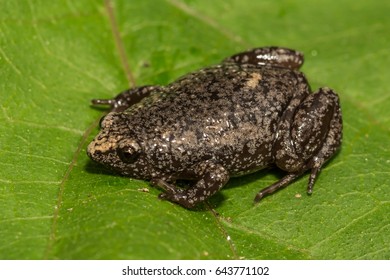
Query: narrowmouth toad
253, 110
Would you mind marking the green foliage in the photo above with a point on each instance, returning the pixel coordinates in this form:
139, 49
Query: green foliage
57, 55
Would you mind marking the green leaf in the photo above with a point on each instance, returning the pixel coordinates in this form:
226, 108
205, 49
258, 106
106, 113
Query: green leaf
55, 56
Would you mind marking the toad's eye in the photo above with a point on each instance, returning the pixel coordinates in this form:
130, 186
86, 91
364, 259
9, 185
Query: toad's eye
128, 150
128, 155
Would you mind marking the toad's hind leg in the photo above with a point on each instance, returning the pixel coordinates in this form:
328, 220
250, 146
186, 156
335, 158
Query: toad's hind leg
126, 98
272, 56
307, 139
276, 186
286, 180
211, 178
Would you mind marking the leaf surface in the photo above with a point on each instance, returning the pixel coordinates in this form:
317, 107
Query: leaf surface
56, 204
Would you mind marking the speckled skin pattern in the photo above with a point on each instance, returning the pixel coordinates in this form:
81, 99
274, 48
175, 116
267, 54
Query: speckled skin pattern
253, 110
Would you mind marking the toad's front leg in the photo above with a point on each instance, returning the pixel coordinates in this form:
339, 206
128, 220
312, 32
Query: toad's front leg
211, 177
127, 98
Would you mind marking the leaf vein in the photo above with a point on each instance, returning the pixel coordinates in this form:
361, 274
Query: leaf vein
52, 235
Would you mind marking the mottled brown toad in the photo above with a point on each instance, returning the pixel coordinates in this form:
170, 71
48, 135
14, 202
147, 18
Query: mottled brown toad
253, 110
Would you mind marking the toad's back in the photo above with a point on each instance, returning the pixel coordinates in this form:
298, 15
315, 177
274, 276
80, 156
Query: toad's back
228, 113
